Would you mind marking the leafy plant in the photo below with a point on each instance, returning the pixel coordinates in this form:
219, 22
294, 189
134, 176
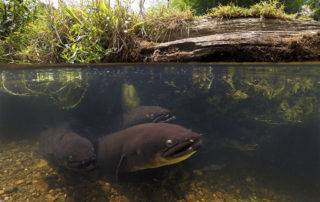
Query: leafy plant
15, 14
315, 6
264, 9
161, 22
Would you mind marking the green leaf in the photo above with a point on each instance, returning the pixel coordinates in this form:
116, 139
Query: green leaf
65, 8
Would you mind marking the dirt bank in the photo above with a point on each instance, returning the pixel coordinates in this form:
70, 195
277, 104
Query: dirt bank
238, 40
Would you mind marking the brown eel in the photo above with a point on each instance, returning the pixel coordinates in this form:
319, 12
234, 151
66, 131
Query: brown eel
67, 148
145, 146
144, 114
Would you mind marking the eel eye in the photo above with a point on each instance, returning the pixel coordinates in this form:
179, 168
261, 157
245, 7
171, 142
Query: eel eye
147, 116
169, 143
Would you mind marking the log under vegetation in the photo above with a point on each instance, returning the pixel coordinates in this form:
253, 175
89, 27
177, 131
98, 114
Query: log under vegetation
240, 40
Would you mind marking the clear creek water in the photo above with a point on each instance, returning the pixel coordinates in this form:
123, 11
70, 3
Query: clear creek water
260, 127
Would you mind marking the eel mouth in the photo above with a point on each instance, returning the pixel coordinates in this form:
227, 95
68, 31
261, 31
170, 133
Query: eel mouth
164, 118
184, 148
88, 164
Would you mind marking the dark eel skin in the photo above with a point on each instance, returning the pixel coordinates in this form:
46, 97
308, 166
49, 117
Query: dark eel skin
144, 114
145, 146
67, 148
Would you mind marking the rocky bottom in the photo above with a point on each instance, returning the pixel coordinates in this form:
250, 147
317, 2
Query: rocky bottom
27, 176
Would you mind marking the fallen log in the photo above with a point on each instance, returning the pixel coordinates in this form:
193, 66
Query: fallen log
272, 40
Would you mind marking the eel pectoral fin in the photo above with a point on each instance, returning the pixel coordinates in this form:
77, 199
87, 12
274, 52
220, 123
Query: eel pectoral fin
119, 165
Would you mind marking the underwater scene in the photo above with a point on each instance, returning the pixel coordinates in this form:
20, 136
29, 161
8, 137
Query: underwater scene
170, 132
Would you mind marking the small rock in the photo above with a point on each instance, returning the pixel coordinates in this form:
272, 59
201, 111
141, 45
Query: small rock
200, 193
113, 191
42, 163
217, 197
41, 186
51, 198
19, 182
190, 197
1, 192
106, 187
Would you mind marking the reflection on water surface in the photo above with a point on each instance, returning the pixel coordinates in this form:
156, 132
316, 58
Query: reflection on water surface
260, 127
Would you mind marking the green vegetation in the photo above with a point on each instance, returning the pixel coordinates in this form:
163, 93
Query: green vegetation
76, 34
33, 32
202, 6
270, 9
15, 14
273, 95
315, 6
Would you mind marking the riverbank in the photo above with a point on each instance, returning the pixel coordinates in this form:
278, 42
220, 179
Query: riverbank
98, 33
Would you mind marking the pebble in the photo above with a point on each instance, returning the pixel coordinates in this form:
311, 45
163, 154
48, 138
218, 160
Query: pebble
190, 198
41, 186
51, 198
217, 195
106, 187
19, 182
42, 163
39, 189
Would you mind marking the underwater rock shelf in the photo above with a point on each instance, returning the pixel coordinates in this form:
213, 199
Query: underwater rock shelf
239, 40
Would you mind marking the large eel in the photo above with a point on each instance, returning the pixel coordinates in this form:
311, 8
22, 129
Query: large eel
144, 114
144, 146
67, 148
